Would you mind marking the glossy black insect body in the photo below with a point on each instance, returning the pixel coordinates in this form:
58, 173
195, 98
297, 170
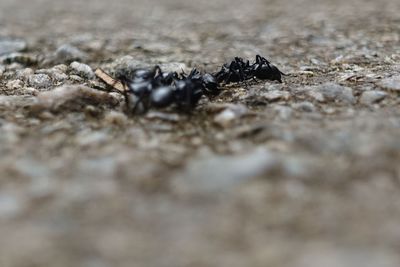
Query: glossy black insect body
240, 70
153, 88
162, 97
188, 93
236, 71
211, 85
262, 69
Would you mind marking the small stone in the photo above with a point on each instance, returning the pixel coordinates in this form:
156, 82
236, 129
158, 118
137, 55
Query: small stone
24, 74
335, 92
76, 78
226, 117
91, 138
40, 81
31, 91
304, 106
115, 118
59, 77
8, 45
318, 96
127, 64
273, 87
14, 67
213, 173
19, 58
62, 68
284, 112
14, 84
392, 83
276, 95
57, 73
117, 96
309, 68
72, 98
305, 72
371, 97
69, 53
82, 70
98, 85
15, 101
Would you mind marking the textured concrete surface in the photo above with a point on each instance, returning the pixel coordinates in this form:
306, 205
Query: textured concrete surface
300, 174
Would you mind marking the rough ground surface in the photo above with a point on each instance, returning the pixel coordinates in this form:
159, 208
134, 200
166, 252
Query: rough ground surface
300, 174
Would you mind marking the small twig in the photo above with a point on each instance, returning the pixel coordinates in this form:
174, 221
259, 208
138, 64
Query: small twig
102, 75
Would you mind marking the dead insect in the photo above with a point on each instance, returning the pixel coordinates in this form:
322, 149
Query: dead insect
152, 88
240, 70
146, 88
262, 69
207, 82
211, 85
237, 71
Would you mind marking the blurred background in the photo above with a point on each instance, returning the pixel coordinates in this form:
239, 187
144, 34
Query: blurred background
308, 177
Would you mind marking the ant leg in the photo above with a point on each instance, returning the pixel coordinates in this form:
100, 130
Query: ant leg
258, 59
139, 101
157, 69
241, 73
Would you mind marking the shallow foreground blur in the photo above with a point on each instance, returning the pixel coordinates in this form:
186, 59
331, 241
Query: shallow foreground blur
300, 174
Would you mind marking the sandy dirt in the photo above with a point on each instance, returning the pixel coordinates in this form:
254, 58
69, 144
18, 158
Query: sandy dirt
300, 174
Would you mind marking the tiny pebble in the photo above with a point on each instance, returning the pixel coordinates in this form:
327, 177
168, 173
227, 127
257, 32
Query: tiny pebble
371, 97
82, 70
276, 95
8, 45
304, 106
336, 92
24, 74
14, 84
226, 117
40, 81
115, 118
68, 53
392, 83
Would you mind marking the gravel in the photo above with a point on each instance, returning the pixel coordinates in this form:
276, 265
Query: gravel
9, 45
392, 83
303, 173
69, 98
82, 70
371, 97
212, 174
68, 53
304, 106
336, 92
229, 115
40, 81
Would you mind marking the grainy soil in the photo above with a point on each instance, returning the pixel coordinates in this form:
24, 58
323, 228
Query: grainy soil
300, 174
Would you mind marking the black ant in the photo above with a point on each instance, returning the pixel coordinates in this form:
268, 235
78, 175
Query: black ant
154, 88
236, 71
147, 88
239, 71
262, 69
